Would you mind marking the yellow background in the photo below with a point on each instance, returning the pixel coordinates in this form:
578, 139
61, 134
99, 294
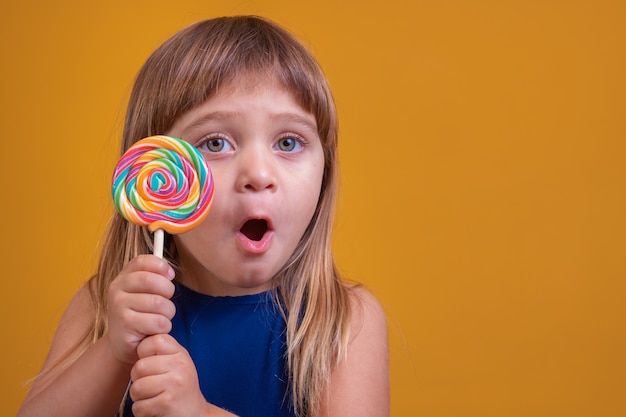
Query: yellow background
483, 183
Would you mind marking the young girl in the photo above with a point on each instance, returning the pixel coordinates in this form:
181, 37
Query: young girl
247, 315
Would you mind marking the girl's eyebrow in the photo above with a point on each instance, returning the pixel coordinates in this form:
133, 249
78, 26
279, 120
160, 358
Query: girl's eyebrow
288, 117
209, 117
306, 122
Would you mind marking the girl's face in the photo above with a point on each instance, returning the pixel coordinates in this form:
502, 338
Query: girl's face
267, 163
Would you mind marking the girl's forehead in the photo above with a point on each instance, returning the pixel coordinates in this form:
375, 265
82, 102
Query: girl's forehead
250, 84
247, 97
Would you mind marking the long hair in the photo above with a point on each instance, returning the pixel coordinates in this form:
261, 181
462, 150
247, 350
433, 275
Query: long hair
189, 69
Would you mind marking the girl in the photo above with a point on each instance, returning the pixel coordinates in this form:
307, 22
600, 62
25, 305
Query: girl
247, 315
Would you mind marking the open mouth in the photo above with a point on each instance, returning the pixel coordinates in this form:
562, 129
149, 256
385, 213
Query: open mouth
254, 229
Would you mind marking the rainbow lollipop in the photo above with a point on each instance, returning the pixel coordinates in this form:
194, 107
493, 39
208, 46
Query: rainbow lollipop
163, 183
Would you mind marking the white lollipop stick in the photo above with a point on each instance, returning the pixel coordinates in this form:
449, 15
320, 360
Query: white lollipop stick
159, 237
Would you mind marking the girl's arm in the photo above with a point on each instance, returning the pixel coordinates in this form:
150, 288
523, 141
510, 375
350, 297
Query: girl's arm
359, 385
95, 383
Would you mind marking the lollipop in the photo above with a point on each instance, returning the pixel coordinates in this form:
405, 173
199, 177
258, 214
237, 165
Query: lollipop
163, 183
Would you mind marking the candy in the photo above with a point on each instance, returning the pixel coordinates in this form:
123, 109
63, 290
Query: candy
163, 183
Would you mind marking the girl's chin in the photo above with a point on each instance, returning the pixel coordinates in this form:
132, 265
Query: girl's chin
245, 285
235, 291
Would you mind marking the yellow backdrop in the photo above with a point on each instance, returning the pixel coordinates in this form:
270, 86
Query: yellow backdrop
483, 194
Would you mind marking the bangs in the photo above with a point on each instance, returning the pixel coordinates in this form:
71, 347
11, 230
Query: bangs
193, 65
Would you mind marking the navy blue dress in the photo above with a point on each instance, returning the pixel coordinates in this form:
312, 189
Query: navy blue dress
238, 347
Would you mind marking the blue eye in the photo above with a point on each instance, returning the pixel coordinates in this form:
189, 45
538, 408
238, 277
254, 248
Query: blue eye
215, 145
289, 144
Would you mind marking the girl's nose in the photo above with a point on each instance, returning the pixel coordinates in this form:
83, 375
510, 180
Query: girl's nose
256, 171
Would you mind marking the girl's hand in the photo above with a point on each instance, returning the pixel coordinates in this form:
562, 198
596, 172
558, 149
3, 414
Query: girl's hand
139, 305
165, 380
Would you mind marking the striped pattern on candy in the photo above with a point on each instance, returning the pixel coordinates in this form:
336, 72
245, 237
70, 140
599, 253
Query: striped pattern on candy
163, 183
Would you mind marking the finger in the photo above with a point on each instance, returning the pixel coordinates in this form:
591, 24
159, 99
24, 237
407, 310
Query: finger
146, 324
146, 313
158, 344
150, 263
147, 282
149, 366
146, 408
158, 405
153, 304
146, 388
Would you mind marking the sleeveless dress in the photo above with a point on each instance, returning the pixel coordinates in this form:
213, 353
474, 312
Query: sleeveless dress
238, 347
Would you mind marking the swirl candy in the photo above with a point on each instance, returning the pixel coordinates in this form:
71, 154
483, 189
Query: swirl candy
163, 183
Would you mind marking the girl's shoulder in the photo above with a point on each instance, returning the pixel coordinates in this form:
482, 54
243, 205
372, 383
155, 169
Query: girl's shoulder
360, 381
366, 310
78, 316
76, 322
72, 328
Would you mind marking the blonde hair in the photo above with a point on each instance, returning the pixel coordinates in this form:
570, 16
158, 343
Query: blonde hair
185, 71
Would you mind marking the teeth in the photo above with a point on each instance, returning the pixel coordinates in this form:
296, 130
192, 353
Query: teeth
254, 229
